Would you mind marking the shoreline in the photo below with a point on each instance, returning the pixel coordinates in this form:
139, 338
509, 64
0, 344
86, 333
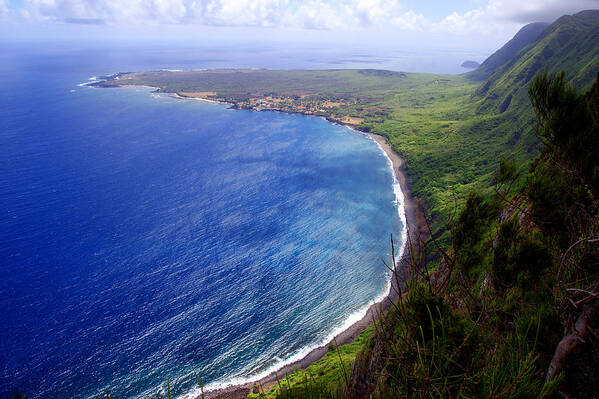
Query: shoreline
415, 225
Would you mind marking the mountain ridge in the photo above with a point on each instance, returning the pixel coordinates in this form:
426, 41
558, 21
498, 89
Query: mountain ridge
569, 43
526, 35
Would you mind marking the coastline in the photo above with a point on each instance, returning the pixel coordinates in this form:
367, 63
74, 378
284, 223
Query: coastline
415, 225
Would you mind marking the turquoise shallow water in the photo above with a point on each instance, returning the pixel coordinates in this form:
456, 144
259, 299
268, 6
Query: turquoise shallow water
145, 236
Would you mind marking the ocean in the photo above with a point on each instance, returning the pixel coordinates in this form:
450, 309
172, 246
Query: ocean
145, 237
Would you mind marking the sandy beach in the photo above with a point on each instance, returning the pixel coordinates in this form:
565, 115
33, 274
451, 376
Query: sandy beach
416, 225
183, 96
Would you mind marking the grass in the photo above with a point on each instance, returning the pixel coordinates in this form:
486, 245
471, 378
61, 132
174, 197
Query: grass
323, 378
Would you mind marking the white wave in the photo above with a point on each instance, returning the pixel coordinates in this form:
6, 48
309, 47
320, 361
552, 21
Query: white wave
399, 200
399, 197
351, 319
236, 381
95, 79
90, 81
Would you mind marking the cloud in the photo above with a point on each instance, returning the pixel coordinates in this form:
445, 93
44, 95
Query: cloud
114, 11
490, 17
537, 10
477, 20
500, 16
319, 14
411, 21
3, 8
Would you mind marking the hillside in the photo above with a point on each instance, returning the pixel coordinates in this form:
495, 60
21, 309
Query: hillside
512, 309
568, 44
523, 38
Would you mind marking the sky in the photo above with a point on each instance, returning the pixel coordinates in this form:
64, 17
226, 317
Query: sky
476, 24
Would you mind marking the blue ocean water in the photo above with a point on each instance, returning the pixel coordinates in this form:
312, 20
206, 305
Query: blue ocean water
145, 237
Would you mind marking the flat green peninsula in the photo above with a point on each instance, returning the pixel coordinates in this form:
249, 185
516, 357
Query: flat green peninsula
347, 96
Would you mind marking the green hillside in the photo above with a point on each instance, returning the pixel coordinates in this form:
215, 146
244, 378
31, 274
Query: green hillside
461, 152
511, 310
568, 44
523, 38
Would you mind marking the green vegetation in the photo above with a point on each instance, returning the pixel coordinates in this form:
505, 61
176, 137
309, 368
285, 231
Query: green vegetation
323, 378
523, 38
238, 85
569, 44
521, 270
